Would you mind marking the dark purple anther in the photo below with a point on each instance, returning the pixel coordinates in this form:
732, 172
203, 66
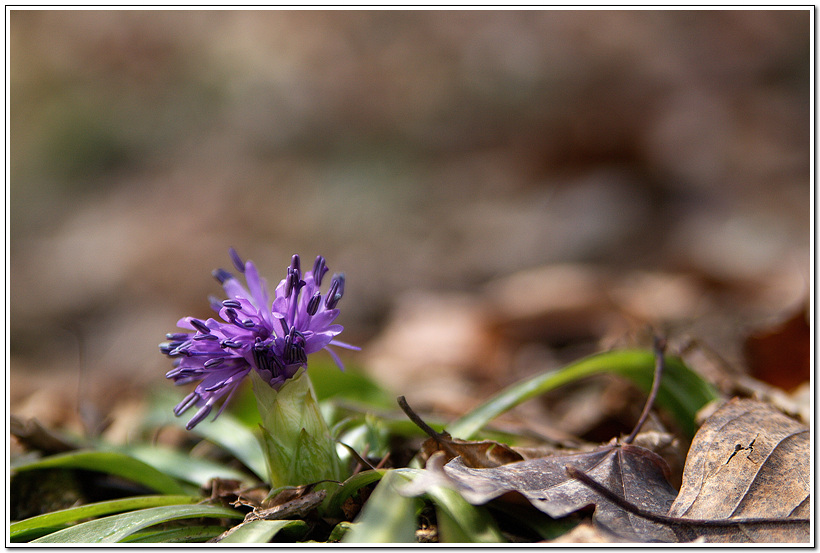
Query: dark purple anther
232, 315
237, 261
319, 270
233, 304
313, 304
222, 275
189, 400
262, 358
199, 417
213, 362
230, 344
291, 281
200, 326
337, 289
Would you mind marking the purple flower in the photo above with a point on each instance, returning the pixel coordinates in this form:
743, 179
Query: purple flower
274, 338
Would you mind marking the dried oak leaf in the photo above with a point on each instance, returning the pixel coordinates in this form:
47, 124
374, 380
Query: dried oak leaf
483, 454
748, 460
634, 473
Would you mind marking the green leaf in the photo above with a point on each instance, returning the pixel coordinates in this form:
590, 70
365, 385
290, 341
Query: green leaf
17, 529
117, 527
387, 516
461, 522
350, 487
682, 391
226, 431
352, 384
369, 433
339, 531
109, 462
237, 439
184, 466
183, 534
262, 531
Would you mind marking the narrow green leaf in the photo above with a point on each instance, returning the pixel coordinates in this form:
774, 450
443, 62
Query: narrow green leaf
183, 466
183, 534
94, 510
117, 527
262, 531
109, 462
236, 438
461, 522
349, 487
352, 383
227, 431
387, 516
339, 531
33, 534
682, 391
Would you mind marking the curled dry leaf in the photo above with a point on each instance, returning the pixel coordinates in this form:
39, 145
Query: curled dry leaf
482, 454
748, 460
636, 474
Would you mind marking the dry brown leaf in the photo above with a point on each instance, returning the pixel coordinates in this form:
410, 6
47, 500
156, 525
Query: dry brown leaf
748, 460
780, 355
35, 436
634, 473
483, 454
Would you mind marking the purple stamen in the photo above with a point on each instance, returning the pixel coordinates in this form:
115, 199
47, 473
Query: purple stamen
200, 326
230, 344
285, 329
237, 261
222, 275
199, 417
232, 316
186, 403
313, 304
319, 269
337, 288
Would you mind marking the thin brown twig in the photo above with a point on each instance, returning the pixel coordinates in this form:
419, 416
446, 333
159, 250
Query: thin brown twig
665, 519
659, 347
413, 416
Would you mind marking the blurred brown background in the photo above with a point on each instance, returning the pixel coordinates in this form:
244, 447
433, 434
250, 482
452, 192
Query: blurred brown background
537, 178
